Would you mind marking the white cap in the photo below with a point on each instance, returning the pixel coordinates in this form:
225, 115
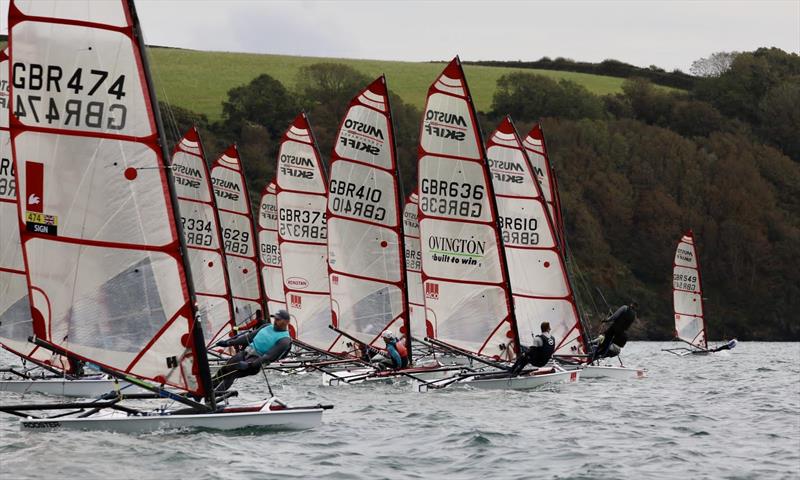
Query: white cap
387, 334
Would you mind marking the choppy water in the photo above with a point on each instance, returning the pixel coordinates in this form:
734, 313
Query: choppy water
730, 415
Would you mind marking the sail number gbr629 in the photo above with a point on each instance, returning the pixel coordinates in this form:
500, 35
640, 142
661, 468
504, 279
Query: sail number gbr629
440, 197
34, 84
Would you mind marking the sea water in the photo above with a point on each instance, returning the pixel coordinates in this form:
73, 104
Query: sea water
728, 415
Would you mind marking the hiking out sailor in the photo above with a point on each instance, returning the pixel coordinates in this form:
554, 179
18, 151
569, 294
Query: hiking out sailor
271, 342
539, 353
616, 334
396, 353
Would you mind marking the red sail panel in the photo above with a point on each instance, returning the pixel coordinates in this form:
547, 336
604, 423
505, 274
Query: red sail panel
416, 296
467, 294
365, 241
303, 236
269, 258
238, 235
539, 281
97, 196
687, 293
202, 237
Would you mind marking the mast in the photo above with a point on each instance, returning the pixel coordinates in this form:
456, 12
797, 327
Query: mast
467, 294
95, 193
365, 242
197, 331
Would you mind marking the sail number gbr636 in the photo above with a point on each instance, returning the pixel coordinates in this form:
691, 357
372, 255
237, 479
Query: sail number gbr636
440, 197
35, 85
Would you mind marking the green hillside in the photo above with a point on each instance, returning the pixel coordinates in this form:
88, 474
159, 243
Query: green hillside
199, 81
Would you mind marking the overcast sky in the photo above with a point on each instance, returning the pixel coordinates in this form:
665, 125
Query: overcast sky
669, 34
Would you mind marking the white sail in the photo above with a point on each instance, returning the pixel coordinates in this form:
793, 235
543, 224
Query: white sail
687, 294
416, 295
539, 282
365, 243
303, 236
103, 257
269, 253
536, 148
15, 311
467, 298
238, 235
202, 236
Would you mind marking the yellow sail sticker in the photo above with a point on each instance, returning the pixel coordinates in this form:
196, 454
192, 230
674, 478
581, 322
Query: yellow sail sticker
41, 223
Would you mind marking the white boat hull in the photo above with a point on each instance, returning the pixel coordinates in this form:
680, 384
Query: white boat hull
299, 419
90, 388
524, 382
362, 375
486, 382
609, 371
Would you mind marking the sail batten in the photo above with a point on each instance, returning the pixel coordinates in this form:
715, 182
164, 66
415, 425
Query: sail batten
365, 243
94, 192
465, 279
687, 293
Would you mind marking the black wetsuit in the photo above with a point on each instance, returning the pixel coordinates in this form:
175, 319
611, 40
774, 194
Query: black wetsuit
536, 355
621, 320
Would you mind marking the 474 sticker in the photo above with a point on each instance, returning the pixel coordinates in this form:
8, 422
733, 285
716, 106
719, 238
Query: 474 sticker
36, 222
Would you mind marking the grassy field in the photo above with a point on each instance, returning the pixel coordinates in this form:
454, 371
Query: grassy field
199, 81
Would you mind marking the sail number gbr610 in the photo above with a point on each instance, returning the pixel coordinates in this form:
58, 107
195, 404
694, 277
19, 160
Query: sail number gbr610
440, 197
34, 84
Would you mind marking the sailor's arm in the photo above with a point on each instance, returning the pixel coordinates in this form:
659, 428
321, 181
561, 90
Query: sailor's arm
276, 352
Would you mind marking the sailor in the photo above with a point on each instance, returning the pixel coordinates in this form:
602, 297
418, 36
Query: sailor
396, 351
262, 347
616, 334
537, 354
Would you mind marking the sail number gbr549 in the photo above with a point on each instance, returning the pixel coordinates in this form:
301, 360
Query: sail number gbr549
34, 84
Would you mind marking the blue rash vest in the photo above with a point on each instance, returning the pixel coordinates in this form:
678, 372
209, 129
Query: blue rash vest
392, 349
266, 338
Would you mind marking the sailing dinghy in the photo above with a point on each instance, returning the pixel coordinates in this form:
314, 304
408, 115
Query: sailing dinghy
107, 270
465, 278
687, 301
567, 316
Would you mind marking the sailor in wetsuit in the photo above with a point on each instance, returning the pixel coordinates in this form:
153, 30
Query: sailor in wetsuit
269, 343
537, 354
396, 351
615, 334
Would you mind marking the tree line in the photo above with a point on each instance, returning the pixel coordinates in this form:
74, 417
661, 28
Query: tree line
635, 169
